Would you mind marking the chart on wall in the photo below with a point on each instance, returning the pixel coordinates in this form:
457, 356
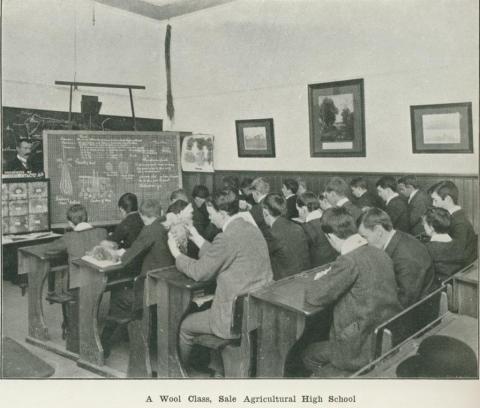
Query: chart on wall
96, 168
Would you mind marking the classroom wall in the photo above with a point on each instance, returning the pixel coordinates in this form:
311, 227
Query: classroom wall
254, 59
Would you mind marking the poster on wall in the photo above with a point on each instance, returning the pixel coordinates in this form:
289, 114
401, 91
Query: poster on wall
197, 153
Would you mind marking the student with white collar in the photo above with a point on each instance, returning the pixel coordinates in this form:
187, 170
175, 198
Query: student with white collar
395, 206
418, 202
360, 284
336, 192
289, 191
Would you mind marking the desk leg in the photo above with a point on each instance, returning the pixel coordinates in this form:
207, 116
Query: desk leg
37, 273
173, 303
72, 311
91, 351
278, 331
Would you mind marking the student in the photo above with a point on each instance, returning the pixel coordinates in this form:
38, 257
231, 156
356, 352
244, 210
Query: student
260, 188
179, 194
414, 271
360, 284
238, 260
321, 252
302, 186
445, 195
245, 195
395, 206
127, 231
289, 191
362, 198
201, 220
447, 254
336, 192
289, 252
418, 202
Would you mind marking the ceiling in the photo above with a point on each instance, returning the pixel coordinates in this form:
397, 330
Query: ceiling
162, 9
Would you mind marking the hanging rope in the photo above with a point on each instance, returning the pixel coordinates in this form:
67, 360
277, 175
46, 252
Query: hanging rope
170, 107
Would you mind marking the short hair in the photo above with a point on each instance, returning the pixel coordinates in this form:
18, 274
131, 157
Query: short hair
375, 216
338, 185
76, 214
128, 202
387, 182
179, 194
177, 206
20, 141
339, 222
225, 200
275, 204
291, 184
359, 182
200, 191
230, 183
438, 219
150, 208
409, 180
302, 182
260, 185
446, 188
246, 182
309, 200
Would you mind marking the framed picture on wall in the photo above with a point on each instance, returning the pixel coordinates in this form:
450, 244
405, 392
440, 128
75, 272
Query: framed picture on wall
444, 128
255, 138
337, 119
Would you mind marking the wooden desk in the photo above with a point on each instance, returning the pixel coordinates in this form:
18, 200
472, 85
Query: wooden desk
465, 286
280, 313
172, 292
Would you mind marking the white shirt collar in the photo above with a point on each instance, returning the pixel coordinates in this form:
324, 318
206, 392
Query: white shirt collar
352, 242
392, 233
454, 209
245, 215
412, 194
82, 226
261, 198
441, 238
23, 160
314, 215
391, 198
290, 195
342, 201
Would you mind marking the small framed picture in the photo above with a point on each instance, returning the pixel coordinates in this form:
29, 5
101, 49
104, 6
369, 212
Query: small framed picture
337, 119
255, 138
444, 128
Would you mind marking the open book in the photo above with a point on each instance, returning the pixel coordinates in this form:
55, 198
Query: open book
101, 264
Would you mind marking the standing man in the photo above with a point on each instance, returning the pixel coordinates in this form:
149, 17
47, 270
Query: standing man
21, 162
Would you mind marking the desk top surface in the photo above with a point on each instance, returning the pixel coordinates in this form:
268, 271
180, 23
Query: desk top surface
176, 278
28, 238
41, 251
469, 275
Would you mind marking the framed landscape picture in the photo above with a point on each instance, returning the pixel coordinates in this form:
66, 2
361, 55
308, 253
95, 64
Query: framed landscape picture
444, 128
255, 138
337, 119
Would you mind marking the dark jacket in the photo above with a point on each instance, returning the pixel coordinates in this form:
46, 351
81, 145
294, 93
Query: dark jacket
447, 258
257, 214
16, 165
128, 230
398, 211
414, 271
321, 252
416, 208
461, 230
361, 286
292, 211
367, 200
289, 252
353, 210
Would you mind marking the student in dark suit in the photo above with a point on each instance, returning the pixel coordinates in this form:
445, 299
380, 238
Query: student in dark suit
201, 220
127, 231
447, 254
445, 195
289, 191
260, 188
414, 271
245, 195
362, 198
418, 202
237, 259
289, 252
360, 284
395, 206
336, 192
321, 251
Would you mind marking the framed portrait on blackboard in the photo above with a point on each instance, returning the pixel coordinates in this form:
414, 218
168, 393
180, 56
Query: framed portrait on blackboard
337, 119
255, 138
443, 128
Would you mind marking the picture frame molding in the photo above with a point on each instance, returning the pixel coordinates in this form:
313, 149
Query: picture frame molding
241, 124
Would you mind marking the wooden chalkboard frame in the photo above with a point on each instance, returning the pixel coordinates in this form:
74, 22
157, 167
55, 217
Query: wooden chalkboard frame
102, 134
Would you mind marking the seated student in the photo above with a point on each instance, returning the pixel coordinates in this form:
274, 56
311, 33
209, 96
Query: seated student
178, 219
237, 258
418, 202
260, 188
230, 183
179, 194
395, 206
362, 198
245, 197
447, 254
412, 263
302, 186
445, 195
201, 221
321, 252
152, 245
289, 191
360, 284
127, 231
289, 252
336, 192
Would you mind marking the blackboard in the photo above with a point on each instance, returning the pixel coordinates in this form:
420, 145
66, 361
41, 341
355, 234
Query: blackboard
96, 168
25, 123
